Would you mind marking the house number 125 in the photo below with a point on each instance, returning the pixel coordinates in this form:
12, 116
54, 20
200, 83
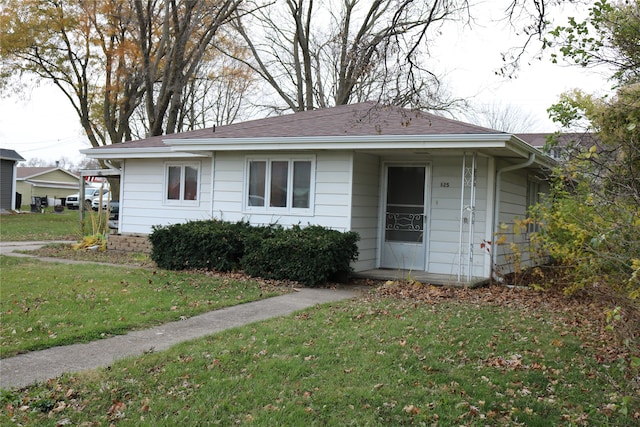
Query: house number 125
444, 184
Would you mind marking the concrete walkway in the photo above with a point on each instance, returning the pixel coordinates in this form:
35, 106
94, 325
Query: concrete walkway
42, 365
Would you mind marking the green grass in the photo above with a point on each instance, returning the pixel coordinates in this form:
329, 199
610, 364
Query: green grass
45, 304
47, 226
364, 362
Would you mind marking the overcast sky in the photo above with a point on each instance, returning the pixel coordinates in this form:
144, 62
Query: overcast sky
42, 123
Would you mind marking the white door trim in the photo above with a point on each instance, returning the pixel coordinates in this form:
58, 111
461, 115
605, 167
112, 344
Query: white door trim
402, 262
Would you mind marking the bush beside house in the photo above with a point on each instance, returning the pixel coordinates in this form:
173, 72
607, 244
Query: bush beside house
310, 255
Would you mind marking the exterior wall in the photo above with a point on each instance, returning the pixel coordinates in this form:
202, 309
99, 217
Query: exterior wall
514, 249
331, 199
141, 198
347, 194
7, 180
52, 192
221, 194
446, 253
365, 208
56, 185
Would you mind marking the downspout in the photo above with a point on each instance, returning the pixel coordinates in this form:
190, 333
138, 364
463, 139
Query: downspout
496, 207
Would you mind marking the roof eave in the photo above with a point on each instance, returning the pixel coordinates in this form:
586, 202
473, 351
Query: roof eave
204, 147
369, 142
541, 159
138, 153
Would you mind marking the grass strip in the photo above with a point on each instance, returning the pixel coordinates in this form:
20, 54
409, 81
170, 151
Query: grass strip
44, 304
362, 362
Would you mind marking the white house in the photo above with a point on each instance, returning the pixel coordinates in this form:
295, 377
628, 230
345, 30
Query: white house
425, 193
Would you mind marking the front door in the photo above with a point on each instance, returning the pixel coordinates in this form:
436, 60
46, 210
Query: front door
404, 238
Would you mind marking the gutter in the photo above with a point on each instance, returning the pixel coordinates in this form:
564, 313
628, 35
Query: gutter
496, 207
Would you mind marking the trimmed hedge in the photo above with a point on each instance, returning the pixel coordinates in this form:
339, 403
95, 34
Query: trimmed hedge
310, 255
210, 245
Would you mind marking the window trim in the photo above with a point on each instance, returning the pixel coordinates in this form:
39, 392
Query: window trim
288, 209
165, 184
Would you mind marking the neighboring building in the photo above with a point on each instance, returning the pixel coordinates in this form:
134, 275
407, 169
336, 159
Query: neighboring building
426, 194
8, 166
54, 183
567, 144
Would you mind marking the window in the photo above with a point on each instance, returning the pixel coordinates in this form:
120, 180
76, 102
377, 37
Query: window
279, 184
181, 183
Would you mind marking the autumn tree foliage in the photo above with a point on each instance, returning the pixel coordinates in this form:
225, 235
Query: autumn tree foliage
591, 220
129, 68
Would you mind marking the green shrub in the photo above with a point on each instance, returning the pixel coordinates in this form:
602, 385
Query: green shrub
211, 245
598, 243
310, 255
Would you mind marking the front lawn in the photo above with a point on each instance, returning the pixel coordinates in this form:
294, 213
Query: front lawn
43, 226
45, 304
450, 358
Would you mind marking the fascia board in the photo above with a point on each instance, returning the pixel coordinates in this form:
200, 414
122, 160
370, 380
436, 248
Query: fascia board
342, 143
518, 145
61, 185
138, 153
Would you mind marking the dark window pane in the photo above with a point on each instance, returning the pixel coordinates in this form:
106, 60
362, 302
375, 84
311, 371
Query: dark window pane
279, 178
301, 184
406, 185
190, 183
257, 183
173, 183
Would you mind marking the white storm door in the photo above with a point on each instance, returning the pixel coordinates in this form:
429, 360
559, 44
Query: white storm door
404, 237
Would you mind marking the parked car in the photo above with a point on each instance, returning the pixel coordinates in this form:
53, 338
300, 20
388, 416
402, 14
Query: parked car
95, 202
114, 211
73, 201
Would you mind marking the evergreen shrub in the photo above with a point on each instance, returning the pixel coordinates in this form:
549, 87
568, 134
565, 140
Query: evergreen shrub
210, 244
310, 255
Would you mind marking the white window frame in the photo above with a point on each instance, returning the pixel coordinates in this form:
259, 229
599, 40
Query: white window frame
165, 184
288, 209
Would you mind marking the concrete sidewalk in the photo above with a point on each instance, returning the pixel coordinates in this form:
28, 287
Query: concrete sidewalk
37, 366
42, 365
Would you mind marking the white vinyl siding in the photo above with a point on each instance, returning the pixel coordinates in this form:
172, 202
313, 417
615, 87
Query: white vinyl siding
444, 224
364, 208
330, 198
513, 205
346, 197
142, 202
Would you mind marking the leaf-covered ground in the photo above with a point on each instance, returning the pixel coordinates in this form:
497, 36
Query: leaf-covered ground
402, 354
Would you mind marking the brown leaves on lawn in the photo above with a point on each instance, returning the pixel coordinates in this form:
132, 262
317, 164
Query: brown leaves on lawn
587, 315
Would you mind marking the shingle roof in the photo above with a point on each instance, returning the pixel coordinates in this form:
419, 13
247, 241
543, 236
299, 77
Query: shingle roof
29, 172
8, 154
26, 172
539, 140
361, 119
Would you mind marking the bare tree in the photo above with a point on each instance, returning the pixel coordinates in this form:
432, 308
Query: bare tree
337, 52
173, 42
503, 117
217, 92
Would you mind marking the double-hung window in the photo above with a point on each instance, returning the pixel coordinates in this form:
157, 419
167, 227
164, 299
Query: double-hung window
181, 183
275, 184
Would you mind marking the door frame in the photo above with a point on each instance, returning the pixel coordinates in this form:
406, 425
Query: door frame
383, 203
